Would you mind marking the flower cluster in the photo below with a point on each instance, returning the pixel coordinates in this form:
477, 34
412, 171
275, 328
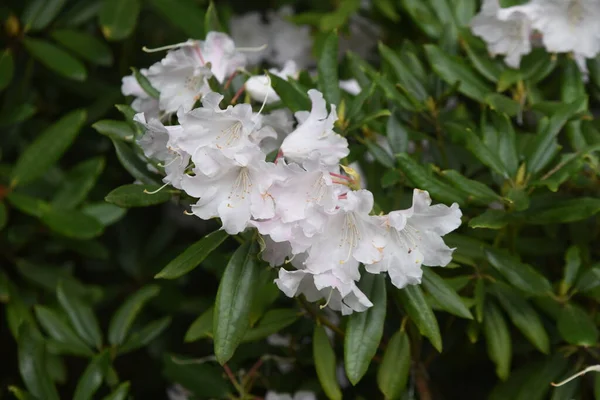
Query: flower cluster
564, 26
308, 209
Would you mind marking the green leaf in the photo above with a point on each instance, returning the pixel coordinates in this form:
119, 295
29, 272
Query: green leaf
364, 330
234, 299
133, 195
503, 104
520, 275
3, 216
484, 154
488, 67
563, 211
394, 370
325, 364
132, 163
55, 59
405, 76
490, 219
572, 83
92, 377
452, 70
27, 205
382, 156
80, 315
201, 328
421, 179
537, 65
17, 114
327, 66
78, 183
40, 13
145, 83
122, 320
120, 393
72, 223
272, 322
397, 135
211, 19
387, 8
32, 364
105, 213
507, 143
47, 148
7, 68
118, 18
572, 267
444, 294
60, 331
476, 190
21, 394
419, 311
203, 380
192, 256
497, 336
118, 130
293, 98
186, 15
479, 297
522, 315
542, 147
576, 326
85, 46
422, 14
145, 335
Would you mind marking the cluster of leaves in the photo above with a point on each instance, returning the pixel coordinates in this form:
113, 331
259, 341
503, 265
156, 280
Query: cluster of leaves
113, 291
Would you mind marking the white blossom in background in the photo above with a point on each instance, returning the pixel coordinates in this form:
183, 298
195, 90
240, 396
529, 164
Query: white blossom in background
288, 41
509, 36
300, 395
259, 87
250, 31
351, 86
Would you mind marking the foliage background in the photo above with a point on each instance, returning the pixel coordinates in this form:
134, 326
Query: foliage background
526, 269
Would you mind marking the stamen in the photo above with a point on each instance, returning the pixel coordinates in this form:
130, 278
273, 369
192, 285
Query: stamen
585, 371
252, 49
340, 176
157, 190
279, 155
328, 300
266, 96
187, 43
186, 212
170, 162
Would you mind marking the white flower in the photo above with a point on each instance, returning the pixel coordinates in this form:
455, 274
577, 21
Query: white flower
227, 130
339, 296
314, 136
156, 144
249, 30
350, 236
509, 36
143, 102
220, 51
236, 192
282, 123
259, 87
351, 86
415, 239
565, 25
180, 77
300, 395
288, 41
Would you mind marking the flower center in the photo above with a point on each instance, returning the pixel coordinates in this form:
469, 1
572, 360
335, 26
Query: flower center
241, 187
350, 235
408, 237
230, 135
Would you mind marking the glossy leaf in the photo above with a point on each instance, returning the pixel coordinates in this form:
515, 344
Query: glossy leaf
486, 155
563, 211
145, 83
491, 219
186, 15
72, 223
192, 256
118, 18
499, 345
40, 13
327, 66
272, 322
7, 68
405, 76
133, 195
522, 276
85, 46
444, 295
92, 377
325, 364
81, 315
201, 328
397, 135
118, 130
122, 320
234, 298
47, 148
59, 330
120, 393
576, 326
55, 59
32, 361
78, 183
415, 305
106, 214
476, 190
133, 164
145, 335
394, 370
294, 99
364, 330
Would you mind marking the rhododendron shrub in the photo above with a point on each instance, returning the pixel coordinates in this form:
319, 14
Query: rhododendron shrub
300, 200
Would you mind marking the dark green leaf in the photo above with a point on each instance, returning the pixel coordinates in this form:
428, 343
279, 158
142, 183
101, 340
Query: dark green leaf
85, 46
576, 326
56, 59
491, 219
59, 330
325, 364
120, 393
379, 153
479, 297
420, 313
521, 275
203, 380
105, 213
40, 13
145, 335
490, 69
92, 377
272, 322
132, 163
476, 190
118, 18
444, 294
122, 320
201, 327
115, 129
186, 15
394, 370
18, 114
27, 204
211, 19
502, 104
486, 155
405, 76
497, 336
423, 15
327, 66
572, 266
397, 135
72, 223
7, 68
78, 183
522, 315
32, 362
133, 195
563, 211
3, 216
145, 83
192, 256
80, 315
47, 148
364, 330
294, 99
234, 299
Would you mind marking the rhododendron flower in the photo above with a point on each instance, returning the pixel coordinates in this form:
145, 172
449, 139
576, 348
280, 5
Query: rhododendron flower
414, 238
509, 36
314, 137
249, 30
143, 102
301, 395
259, 87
